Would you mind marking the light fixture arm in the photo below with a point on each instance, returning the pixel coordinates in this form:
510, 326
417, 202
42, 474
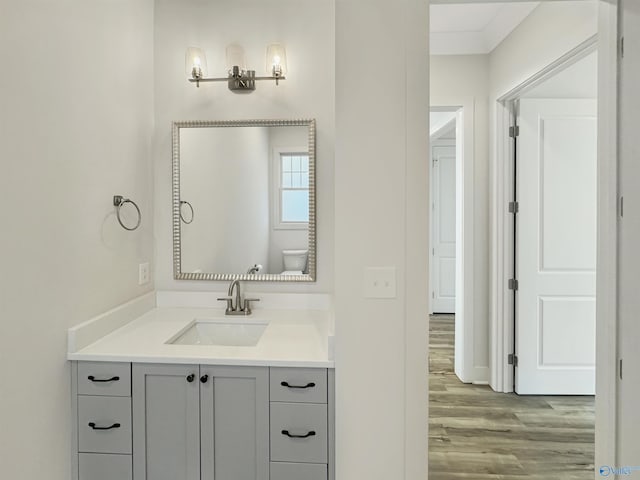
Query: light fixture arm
237, 82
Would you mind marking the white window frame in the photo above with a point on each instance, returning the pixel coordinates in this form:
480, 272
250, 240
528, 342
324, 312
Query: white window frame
276, 187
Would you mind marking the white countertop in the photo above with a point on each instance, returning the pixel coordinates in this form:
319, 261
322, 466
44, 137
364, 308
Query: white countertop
293, 338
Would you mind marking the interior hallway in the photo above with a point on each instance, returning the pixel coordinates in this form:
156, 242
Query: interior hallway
475, 433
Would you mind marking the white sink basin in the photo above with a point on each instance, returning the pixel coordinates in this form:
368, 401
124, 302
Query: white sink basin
238, 332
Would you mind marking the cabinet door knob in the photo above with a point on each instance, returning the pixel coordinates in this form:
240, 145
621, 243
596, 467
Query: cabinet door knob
204, 378
291, 435
191, 378
308, 385
103, 380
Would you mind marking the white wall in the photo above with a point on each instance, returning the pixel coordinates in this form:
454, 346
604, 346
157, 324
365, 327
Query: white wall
579, 80
549, 32
306, 27
224, 174
381, 220
458, 80
438, 120
76, 114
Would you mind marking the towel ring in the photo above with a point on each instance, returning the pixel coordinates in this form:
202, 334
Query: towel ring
184, 202
118, 202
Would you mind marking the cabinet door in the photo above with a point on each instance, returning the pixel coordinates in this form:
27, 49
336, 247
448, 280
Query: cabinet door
234, 423
166, 428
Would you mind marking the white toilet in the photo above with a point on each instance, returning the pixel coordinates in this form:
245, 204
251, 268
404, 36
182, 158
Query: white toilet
295, 261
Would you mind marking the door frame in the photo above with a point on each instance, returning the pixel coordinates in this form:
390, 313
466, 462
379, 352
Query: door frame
503, 334
464, 352
436, 140
606, 43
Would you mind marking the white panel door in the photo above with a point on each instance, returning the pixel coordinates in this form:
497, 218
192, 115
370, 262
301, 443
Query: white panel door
556, 247
443, 236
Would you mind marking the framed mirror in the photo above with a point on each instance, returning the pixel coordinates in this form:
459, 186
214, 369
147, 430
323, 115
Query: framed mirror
244, 200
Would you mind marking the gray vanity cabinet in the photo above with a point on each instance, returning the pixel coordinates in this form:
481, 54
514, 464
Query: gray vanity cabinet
234, 410
101, 421
166, 422
200, 422
301, 424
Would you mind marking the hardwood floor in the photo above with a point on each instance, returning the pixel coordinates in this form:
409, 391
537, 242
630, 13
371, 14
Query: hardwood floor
475, 433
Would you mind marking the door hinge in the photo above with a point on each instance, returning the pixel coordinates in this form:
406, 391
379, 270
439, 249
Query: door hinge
621, 43
514, 131
512, 359
621, 206
514, 207
513, 284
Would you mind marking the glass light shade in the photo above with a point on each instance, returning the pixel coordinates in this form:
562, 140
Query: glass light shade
276, 60
195, 63
236, 57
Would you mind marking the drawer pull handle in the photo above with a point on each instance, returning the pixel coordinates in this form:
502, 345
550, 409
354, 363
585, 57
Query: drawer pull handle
103, 380
191, 378
308, 385
93, 425
204, 378
291, 435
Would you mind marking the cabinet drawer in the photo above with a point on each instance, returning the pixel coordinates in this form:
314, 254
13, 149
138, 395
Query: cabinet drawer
298, 471
298, 433
104, 424
308, 385
94, 466
104, 378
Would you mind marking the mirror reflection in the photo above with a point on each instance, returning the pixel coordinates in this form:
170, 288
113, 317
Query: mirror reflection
243, 200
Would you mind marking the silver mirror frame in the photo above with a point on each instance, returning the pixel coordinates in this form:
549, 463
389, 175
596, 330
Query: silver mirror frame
177, 224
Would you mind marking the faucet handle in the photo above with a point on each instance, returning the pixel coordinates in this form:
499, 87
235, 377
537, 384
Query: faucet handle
229, 301
247, 304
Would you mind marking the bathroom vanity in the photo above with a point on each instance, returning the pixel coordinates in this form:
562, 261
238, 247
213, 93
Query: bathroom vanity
150, 405
172, 388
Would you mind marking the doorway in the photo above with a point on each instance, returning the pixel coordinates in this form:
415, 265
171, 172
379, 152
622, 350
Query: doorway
500, 349
443, 211
554, 226
453, 231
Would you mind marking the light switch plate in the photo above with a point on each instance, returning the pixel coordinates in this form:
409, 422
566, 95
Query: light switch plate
380, 282
143, 273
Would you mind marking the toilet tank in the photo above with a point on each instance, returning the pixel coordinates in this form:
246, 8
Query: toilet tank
295, 260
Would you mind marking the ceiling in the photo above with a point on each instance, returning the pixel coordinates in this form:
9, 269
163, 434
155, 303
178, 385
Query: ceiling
468, 29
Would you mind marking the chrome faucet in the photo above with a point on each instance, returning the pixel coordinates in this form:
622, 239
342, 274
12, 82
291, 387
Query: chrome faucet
237, 306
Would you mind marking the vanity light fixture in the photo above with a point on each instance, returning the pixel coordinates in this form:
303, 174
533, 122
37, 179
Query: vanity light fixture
239, 79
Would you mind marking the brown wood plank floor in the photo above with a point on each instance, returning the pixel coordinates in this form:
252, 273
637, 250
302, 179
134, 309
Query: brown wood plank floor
476, 433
